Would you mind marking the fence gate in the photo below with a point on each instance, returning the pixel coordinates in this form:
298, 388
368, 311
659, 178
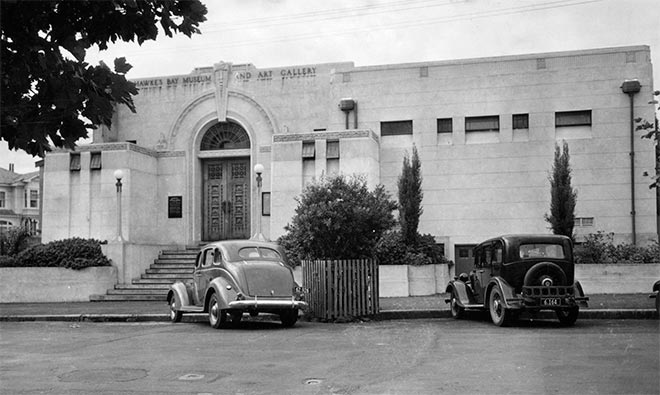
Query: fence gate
341, 288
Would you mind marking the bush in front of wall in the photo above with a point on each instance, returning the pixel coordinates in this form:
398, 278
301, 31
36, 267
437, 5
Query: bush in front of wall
600, 248
74, 253
14, 240
393, 250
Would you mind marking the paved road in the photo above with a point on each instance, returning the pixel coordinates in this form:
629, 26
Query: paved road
425, 356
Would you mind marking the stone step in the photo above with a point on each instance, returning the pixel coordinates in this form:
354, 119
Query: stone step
169, 271
174, 276
189, 263
138, 291
168, 258
144, 286
188, 267
139, 281
127, 298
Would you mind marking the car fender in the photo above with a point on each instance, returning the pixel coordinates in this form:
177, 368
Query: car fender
461, 291
226, 290
179, 291
511, 301
656, 286
578, 289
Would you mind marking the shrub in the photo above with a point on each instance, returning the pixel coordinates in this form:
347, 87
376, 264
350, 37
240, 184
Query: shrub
338, 218
14, 241
600, 248
392, 250
74, 253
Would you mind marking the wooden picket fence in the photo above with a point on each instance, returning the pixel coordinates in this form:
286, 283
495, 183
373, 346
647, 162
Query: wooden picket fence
341, 288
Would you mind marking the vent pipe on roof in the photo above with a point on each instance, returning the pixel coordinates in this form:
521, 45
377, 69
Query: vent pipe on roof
630, 88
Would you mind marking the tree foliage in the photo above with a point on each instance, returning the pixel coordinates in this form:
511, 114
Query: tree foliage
410, 197
338, 217
47, 87
563, 196
650, 131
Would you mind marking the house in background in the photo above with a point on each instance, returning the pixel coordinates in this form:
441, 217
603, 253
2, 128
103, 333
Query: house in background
20, 200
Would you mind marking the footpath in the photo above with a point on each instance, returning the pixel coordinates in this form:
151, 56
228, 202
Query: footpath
601, 306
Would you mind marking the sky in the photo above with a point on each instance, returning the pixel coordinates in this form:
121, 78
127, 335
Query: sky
277, 33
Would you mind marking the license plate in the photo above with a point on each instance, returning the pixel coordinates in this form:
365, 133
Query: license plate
551, 302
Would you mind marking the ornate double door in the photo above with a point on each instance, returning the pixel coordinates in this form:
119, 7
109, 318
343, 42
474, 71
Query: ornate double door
226, 199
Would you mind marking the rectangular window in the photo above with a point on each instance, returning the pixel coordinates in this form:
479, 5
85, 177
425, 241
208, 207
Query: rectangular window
74, 162
573, 118
521, 121
584, 221
2, 199
34, 199
309, 150
395, 128
445, 125
490, 123
265, 203
332, 150
95, 161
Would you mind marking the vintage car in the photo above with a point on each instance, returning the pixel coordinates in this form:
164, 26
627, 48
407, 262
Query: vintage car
519, 273
238, 276
656, 296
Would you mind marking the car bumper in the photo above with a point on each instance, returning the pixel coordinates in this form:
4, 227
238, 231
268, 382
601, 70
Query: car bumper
267, 304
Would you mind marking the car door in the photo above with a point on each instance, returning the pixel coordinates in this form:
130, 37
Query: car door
202, 275
482, 272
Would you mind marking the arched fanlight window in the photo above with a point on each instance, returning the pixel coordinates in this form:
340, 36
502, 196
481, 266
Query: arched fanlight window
225, 135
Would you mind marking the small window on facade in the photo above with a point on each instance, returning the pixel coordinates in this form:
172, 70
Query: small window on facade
573, 118
584, 221
445, 125
346, 77
424, 71
74, 162
521, 121
309, 150
95, 161
333, 150
395, 128
2, 199
34, 199
490, 123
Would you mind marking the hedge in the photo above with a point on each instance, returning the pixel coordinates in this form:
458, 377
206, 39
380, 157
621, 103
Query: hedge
74, 253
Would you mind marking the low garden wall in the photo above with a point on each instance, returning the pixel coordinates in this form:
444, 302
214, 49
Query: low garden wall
54, 284
617, 278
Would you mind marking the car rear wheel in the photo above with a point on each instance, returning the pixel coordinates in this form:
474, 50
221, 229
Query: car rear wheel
216, 316
569, 316
289, 318
456, 311
175, 314
498, 313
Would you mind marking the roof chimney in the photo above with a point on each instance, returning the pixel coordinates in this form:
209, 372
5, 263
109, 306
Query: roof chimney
11, 167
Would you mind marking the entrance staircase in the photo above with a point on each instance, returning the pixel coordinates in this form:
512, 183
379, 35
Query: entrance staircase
154, 283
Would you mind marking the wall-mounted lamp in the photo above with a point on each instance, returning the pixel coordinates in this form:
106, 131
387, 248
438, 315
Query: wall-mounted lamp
630, 88
259, 170
347, 105
119, 175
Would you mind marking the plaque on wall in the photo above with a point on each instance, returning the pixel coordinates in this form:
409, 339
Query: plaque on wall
174, 206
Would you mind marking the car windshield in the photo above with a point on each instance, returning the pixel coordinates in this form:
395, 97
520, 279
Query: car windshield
256, 253
531, 251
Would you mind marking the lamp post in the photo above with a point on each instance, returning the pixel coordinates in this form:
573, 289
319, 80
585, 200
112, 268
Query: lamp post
259, 169
119, 174
630, 88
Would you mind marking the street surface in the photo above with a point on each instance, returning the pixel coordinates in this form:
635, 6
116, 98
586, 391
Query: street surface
425, 356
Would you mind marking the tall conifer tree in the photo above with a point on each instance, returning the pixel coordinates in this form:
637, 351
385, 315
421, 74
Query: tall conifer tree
410, 198
563, 196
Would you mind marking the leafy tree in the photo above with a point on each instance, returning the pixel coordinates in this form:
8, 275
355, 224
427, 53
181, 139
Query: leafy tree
410, 198
563, 196
338, 218
47, 87
650, 131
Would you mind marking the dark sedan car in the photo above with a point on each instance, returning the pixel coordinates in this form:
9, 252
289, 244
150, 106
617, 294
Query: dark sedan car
517, 273
234, 277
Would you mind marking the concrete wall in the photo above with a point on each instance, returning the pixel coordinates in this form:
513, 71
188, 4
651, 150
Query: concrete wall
47, 284
617, 278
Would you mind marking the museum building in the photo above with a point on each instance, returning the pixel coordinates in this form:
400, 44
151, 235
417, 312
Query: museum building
181, 170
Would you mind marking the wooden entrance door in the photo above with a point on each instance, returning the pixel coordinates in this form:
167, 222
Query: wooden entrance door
226, 199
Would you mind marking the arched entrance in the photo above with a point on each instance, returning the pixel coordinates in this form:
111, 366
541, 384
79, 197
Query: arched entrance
226, 182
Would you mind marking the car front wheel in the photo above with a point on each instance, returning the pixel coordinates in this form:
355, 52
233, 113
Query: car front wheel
175, 314
289, 318
216, 316
568, 317
456, 311
498, 313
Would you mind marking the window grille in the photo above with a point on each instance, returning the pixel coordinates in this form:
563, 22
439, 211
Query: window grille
521, 121
95, 161
74, 162
225, 135
445, 125
2, 199
395, 128
490, 123
332, 150
309, 150
584, 221
573, 118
